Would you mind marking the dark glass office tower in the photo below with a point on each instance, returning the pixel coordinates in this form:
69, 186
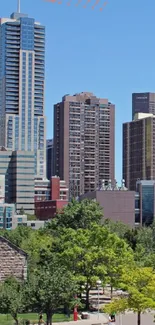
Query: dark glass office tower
143, 103
139, 150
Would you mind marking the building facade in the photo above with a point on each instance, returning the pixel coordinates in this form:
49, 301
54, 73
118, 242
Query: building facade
139, 150
17, 170
134, 208
21, 220
84, 142
49, 158
143, 103
145, 207
57, 194
22, 74
7, 212
117, 202
13, 261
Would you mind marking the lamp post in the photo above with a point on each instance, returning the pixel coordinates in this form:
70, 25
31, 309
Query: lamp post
98, 282
121, 294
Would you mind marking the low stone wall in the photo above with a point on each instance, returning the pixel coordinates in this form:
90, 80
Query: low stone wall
13, 261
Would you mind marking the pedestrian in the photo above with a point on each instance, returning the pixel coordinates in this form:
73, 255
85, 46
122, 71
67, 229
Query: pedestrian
113, 317
41, 319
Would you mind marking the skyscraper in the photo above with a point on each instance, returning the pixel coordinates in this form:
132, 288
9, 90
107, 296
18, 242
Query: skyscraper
84, 142
139, 150
49, 158
22, 65
143, 103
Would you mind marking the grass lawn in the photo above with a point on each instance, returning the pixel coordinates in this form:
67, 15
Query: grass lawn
7, 319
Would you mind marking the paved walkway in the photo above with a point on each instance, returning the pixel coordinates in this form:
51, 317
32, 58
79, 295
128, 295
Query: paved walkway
131, 319
93, 320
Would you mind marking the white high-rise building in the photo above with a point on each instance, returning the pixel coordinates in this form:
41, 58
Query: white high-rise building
22, 75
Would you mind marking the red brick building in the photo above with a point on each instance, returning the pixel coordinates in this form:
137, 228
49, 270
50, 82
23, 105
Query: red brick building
50, 196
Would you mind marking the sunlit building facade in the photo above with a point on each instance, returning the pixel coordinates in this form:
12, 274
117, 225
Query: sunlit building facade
139, 150
22, 74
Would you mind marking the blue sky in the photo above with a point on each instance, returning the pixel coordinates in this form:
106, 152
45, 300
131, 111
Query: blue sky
110, 53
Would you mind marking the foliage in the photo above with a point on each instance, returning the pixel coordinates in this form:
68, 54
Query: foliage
18, 235
11, 298
67, 257
117, 227
139, 283
77, 215
22, 212
50, 287
36, 247
31, 217
145, 249
93, 254
123, 231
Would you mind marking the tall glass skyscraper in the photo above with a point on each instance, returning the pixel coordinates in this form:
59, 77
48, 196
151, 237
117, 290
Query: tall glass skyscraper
22, 75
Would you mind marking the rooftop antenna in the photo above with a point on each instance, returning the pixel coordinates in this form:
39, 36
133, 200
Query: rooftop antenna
18, 6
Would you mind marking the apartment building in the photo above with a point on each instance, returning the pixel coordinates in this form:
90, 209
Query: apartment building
84, 142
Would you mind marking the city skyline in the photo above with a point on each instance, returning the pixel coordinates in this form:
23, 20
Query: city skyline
119, 63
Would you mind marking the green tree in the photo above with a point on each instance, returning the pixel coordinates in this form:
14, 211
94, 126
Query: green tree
31, 217
93, 254
11, 298
123, 231
139, 284
77, 215
117, 227
38, 247
18, 235
51, 287
22, 212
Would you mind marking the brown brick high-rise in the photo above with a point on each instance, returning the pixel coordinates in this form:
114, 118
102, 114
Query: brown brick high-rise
139, 150
84, 142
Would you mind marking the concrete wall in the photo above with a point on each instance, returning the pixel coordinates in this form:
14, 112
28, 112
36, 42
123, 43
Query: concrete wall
13, 261
118, 205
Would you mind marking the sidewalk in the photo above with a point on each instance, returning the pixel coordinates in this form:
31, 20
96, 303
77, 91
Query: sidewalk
93, 320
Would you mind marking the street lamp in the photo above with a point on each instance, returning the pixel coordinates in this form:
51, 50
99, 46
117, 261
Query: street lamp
121, 293
98, 282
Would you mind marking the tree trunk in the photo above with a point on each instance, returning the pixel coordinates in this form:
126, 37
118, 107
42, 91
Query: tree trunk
49, 318
87, 298
111, 291
15, 317
139, 318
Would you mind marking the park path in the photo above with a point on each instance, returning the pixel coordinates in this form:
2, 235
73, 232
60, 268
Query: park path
93, 320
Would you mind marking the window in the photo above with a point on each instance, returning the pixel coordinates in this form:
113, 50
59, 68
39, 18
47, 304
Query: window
147, 204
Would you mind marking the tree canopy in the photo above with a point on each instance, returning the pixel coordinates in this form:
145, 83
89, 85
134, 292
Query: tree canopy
139, 286
69, 255
93, 254
78, 215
